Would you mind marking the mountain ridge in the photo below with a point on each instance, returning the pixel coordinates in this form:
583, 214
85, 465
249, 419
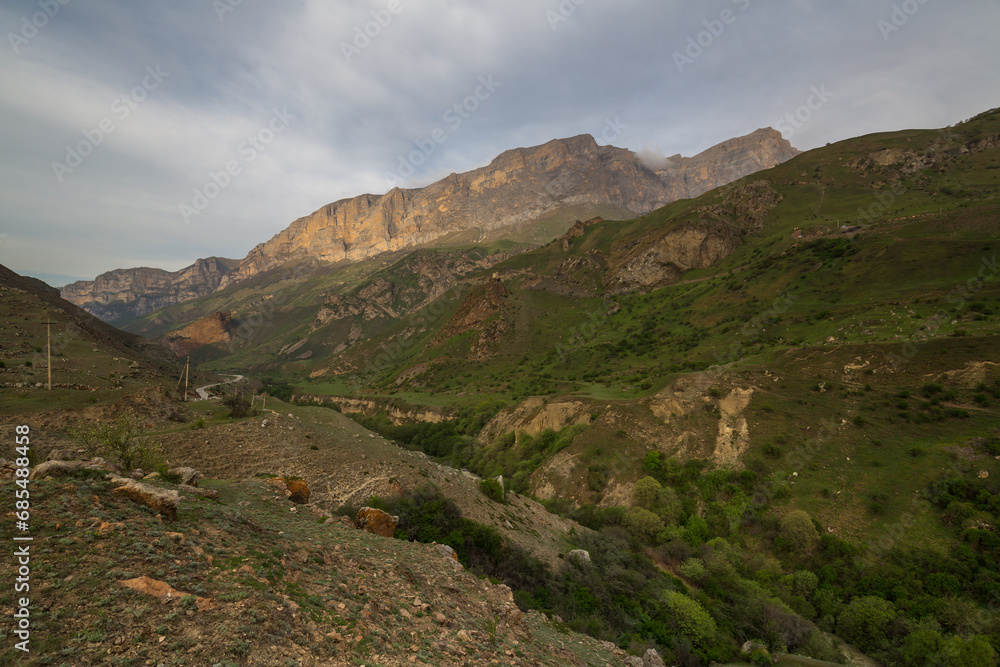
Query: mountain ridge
517, 187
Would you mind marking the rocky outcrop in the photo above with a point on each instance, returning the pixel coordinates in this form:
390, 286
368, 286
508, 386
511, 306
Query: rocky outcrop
651, 262
484, 311
124, 294
416, 281
213, 329
518, 186
188, 476
159, 500
663, 261
377, 522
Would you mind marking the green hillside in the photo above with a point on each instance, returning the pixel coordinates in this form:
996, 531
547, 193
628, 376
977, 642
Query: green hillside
776, 405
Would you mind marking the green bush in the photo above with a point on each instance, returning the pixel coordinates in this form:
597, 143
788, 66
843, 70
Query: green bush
492, 489
690, 617
798, 532
121, 443
865, 622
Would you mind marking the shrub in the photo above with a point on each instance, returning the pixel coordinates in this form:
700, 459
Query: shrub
120, 442
239, 406
643, 524
492, 489
691, 618
798, 531
865, 621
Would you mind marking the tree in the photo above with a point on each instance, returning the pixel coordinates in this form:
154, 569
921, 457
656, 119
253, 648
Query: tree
691, 618
805, 583
696, 530
798, 531
975, 651
650, 495
918, 646
865, 621
120, 442
642, 523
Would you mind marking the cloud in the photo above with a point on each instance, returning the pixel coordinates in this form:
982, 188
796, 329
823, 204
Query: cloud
653, 159
356, 118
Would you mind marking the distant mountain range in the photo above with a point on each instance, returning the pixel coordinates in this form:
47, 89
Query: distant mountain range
531, 194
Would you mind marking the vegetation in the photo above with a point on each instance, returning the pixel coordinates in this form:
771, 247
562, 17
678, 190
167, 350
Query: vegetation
121, 442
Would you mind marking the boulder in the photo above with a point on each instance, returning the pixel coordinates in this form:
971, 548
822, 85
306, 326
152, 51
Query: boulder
189, 476
56, 468
652, 659
579, 556
450, 554
377, 522
160, 500
298, 490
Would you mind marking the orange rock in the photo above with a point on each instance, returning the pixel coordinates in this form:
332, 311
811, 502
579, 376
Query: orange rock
298, 490
152, 587
164, 591
377, 522
106, 527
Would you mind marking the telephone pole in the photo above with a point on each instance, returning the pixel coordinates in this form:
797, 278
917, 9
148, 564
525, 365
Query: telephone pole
48, 331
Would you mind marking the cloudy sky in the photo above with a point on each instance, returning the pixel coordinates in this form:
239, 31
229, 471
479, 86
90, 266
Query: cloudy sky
154, 133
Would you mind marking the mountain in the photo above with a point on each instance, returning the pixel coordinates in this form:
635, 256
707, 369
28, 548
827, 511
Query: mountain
125, 294
533, 193
519, 186
87, 354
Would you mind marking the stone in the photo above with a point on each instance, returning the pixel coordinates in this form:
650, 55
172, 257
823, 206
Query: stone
450, 554
579, 556
652, 659
189, 476
164, 591
298, 490
377, 522
160, 500
55, 468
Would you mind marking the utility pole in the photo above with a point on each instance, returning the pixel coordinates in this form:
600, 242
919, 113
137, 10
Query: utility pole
187, 370
48, 331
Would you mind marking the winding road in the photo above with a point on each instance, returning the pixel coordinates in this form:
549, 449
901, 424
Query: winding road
203, 391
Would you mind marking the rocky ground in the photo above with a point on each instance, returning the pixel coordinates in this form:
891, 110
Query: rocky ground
254, 579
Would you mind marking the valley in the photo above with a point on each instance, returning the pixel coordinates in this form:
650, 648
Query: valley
765, 405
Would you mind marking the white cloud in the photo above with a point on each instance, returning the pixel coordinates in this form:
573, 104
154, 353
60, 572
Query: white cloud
355, 119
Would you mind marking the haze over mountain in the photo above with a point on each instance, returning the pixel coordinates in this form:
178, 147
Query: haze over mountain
516, 190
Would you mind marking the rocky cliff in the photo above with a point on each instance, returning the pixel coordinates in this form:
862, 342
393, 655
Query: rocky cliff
126, 293
213, 329
520, 185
